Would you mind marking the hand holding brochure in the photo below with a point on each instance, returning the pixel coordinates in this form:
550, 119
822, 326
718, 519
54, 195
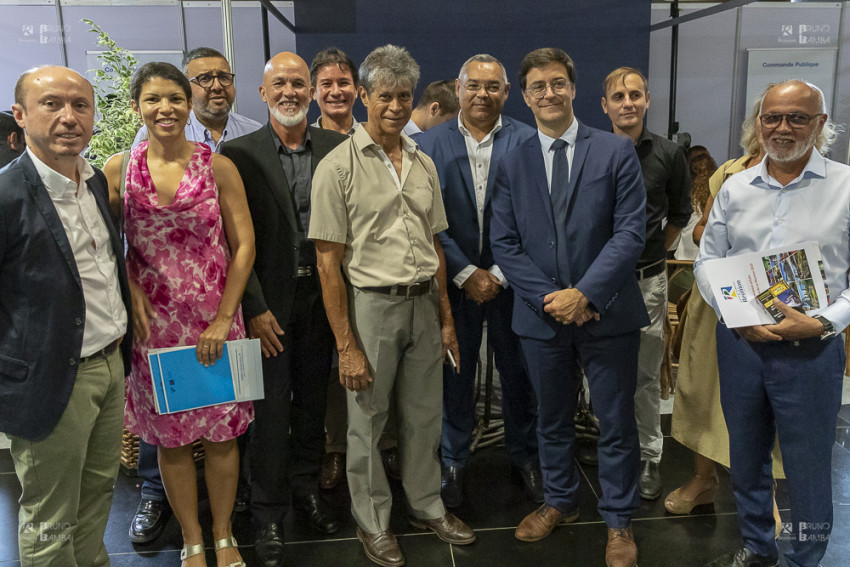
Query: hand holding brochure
182, 383
741, 283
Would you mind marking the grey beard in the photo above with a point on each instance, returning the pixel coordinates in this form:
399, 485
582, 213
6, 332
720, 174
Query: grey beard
288, 121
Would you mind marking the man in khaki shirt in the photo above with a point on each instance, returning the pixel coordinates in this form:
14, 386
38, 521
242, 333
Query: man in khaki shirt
376, 212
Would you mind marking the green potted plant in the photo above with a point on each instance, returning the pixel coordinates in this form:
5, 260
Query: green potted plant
116, 123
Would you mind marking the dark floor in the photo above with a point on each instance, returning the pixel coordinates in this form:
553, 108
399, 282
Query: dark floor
495, 504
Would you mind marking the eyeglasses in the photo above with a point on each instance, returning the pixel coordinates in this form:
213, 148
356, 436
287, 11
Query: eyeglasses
558, 86
490, 88
793, 119
205, 80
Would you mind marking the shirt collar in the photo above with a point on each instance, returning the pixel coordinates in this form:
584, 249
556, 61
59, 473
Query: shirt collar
354, 124
463, 129
56, 183
363, 140
815, 167
569, 136
281, 148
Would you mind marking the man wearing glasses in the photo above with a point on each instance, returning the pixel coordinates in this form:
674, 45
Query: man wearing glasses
625, 99
210, 122
466, 152
784, 378
567, 230
213, 93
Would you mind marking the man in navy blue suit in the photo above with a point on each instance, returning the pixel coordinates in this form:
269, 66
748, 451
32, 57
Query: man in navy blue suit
567, 230
466, 151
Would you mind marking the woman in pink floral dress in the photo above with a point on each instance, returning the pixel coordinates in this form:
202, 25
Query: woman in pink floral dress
190, 252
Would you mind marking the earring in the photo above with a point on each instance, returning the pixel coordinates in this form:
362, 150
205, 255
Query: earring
189, 120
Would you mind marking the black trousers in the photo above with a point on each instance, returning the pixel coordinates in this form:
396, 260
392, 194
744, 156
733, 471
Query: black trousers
287, 440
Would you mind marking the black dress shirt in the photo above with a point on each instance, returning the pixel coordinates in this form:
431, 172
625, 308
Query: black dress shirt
668, 190
296, 166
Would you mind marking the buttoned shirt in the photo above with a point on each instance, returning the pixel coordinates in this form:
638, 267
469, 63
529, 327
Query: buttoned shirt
479, 154
354, 124
237, 125
386, 221
296, 165
106, 318
754, 212
549, 152
668, 190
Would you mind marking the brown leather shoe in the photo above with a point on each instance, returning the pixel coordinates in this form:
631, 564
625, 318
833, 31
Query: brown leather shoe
449, 528
333, 467
381, 548
542, 521
621, 550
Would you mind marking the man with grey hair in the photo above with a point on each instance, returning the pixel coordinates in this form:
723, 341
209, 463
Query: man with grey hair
466, 153
376, 213
213, 93
784, 378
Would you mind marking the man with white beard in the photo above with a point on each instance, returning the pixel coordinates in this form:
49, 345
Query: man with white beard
283, 307
784, 378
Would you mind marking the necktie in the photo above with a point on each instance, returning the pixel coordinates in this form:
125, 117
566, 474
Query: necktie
558, 197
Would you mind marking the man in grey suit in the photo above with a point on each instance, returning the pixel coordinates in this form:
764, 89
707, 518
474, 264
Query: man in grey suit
283, 307
466, 152
63, 314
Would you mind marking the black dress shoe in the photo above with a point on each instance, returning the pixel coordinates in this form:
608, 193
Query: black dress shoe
532, 480
743, 557
149, 521
318, 515
650, 481
451, 487
268, 546
392, 463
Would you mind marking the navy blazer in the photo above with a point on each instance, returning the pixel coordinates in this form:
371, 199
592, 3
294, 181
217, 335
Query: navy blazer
606, 213
445, 144
42, 307
271, 285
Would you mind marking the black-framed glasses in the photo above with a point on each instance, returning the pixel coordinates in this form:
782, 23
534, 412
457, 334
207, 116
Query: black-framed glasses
793, 119
490, 88
558, 86
205, 80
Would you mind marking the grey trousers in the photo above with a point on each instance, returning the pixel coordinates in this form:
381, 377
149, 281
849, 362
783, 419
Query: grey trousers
401, 341
648, 393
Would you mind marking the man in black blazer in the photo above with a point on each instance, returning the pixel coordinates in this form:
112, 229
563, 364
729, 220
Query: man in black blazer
283, 307
64, 305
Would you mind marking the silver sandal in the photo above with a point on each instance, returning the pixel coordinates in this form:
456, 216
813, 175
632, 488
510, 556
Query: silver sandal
191, 551
229, 542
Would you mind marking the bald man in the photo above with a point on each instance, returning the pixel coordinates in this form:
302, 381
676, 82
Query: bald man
63, 314
283, 307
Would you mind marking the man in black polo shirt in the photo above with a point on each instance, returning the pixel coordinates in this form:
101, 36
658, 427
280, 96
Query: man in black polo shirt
665, 175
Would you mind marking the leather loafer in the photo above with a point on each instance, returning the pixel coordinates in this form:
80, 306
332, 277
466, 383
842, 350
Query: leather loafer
268, 546
542, 521
149, 521
532, 480
333, 468
743, 557
392, 463
381, 548
451, 486
318, 515
650, 481
621, 550
448, 528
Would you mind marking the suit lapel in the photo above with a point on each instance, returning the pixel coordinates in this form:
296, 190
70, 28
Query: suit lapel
579, 157
537, 169
500, 144
461, 158
274, 174
45, 206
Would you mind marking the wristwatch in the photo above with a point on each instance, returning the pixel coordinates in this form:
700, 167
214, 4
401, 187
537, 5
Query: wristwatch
828, 329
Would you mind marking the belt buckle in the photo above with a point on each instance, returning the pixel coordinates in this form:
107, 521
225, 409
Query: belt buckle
305, 271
